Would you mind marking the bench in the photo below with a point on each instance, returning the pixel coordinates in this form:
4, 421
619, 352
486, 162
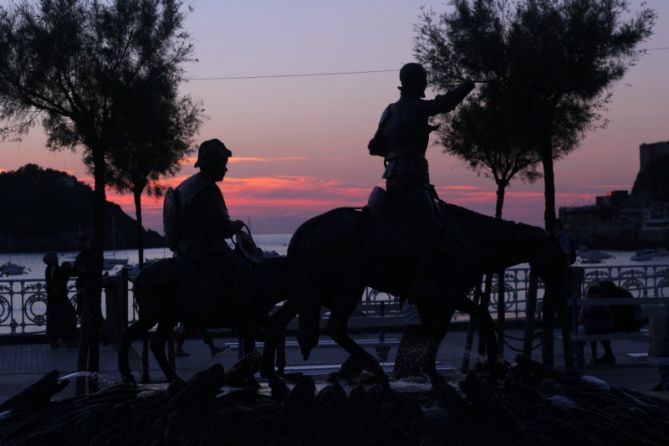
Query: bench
650, 306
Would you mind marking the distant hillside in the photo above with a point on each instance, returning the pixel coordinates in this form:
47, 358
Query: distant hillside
44, 209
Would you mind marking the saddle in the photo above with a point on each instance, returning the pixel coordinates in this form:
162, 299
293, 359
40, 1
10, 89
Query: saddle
391, 229
394, 230
203, 286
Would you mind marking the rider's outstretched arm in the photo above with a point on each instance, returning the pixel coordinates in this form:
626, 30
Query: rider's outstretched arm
444, 103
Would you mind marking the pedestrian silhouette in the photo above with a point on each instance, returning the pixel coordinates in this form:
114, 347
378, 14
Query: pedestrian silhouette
61, 320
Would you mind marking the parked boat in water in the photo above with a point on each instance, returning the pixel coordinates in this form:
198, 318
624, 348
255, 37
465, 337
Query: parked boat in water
644, 255
12, 269
661, 253
589, 256
111, 263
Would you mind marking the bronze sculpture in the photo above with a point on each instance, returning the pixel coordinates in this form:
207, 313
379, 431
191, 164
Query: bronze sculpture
403, 135
407, 242
339, 253
207, 284
205, 224
168, 292
401, 139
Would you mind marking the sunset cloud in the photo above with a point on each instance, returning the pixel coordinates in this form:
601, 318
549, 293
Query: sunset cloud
298, 197
190, 160
257, 159
263, 197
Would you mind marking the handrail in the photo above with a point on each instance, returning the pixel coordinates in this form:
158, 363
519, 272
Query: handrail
23, 301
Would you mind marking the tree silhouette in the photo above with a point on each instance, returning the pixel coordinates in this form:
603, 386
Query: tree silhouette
483, 134
70, 63
157, 135
557, 58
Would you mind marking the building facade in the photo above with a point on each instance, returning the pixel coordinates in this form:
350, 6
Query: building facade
620, 220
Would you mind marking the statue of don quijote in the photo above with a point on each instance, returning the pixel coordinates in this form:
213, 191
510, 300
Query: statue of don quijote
401, 139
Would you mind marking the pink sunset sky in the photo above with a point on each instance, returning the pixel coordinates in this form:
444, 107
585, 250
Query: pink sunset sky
300, 144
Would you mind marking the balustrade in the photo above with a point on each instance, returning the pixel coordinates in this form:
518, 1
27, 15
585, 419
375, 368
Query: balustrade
23, 301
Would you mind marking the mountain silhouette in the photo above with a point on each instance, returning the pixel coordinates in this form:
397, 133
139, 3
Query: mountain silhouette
45, 210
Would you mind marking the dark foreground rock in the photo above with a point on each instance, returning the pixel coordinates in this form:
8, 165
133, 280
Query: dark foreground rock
531, 405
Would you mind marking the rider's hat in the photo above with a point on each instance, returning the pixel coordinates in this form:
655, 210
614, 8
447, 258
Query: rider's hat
212, 152
413, 75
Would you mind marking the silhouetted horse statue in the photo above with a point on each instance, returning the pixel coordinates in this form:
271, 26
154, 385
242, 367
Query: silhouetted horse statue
168, 292
338, 254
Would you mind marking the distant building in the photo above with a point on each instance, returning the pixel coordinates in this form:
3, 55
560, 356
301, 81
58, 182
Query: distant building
612, 222
655, 224
619, 220
648, 152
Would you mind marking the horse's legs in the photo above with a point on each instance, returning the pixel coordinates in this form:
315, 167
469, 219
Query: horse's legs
274, 334
129, 335
438, 330
336, 329
249, 345
280, 346
163, 332
281, 356
487, 324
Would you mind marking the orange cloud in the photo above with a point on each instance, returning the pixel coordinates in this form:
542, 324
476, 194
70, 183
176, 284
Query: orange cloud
255, 159
263, 196
462, 187
190, 160
296, 198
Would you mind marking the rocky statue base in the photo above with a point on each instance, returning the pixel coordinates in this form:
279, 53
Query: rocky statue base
528, 405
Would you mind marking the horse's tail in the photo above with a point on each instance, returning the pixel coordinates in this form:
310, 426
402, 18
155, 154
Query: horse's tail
313, 241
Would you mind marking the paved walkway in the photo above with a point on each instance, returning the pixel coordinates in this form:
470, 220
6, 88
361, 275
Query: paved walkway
22, 364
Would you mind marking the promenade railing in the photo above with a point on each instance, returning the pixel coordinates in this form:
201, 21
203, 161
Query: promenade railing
23, 301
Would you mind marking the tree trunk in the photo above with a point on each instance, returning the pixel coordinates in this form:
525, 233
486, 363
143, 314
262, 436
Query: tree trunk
89, 355
549, 184
140, 229
549, 218
501, 189
501, 306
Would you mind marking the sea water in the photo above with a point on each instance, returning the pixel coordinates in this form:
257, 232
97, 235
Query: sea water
277, 243
35, 266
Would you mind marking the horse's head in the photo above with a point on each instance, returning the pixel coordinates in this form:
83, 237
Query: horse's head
551, 264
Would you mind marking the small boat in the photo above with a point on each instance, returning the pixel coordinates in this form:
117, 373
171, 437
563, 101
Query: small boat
133, 269
12, 269
590, 256
587, 261
661, 253
111, 263
643, 255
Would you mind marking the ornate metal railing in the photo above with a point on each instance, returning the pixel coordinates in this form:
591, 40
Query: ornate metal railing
23, 301
23, 305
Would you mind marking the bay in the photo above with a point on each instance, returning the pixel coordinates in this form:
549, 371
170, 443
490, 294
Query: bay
35, 266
